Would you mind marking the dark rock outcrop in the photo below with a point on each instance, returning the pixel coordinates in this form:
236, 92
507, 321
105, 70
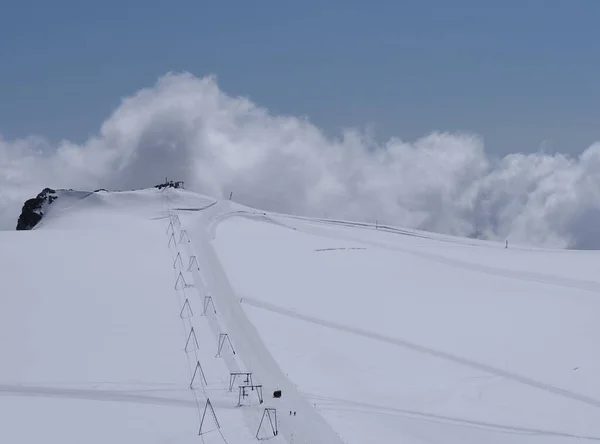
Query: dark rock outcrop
170, 184
33, 209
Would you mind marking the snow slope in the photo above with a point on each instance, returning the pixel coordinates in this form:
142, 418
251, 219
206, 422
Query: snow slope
407, 336
372, 334
92, 345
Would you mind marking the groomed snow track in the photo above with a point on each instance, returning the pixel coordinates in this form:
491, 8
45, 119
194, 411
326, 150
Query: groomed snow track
210, 279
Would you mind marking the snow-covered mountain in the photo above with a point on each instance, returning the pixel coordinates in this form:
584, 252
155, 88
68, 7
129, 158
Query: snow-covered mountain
115, 303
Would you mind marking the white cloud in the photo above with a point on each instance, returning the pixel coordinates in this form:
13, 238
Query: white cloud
186, 128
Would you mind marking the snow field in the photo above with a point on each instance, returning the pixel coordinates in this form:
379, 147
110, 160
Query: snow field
373, 332
87, 352
92, 344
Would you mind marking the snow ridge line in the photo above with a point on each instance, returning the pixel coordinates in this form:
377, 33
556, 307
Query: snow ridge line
540, 278
315, 230
426, 350
389, 229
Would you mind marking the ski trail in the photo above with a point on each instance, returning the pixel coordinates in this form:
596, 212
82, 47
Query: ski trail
485, 425
386, 228
579, 284
426, 350
215, 327
307, 425
94, 395
206, 207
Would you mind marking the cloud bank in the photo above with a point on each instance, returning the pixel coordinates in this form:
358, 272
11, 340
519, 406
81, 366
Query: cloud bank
188, 129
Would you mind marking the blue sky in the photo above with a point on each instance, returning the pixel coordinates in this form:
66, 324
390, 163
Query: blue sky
523, 74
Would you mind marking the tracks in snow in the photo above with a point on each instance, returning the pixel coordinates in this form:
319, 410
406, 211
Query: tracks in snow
345, 404
315, 230
100, 395
540, 278
426, 350
307, 425
271, 371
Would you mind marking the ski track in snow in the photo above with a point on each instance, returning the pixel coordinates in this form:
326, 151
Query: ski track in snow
579, 284
403, 232
308, 425
423, 349
96, 395
525, 276
374, 408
